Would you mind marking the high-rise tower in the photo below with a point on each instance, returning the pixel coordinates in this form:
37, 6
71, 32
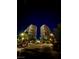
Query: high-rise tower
45, 32
32, 31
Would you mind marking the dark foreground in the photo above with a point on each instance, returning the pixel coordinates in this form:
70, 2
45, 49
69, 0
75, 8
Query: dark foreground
45, 53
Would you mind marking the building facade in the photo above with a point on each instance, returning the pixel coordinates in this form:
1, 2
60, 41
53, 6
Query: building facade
44, 32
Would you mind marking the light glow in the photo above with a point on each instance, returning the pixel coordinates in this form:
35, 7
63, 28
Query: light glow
51, 34
22, 38
22, 34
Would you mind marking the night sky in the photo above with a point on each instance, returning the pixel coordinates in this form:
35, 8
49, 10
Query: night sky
38, 12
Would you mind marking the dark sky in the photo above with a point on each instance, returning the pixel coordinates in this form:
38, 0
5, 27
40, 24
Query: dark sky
38, 12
